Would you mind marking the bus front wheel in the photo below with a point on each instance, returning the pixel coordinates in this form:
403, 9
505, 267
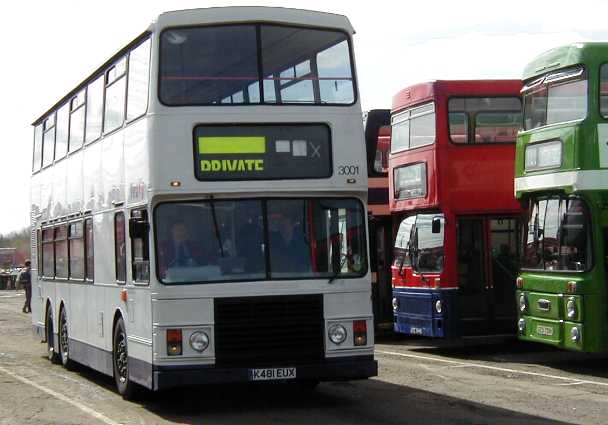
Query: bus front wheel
128, 389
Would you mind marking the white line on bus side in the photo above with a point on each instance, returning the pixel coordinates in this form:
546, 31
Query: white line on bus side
99, 416
573, 381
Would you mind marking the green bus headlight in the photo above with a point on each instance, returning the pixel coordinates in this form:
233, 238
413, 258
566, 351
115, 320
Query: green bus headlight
571, 308
523, 303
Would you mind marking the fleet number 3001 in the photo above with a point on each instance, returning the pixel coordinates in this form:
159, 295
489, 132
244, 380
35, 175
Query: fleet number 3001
348, 170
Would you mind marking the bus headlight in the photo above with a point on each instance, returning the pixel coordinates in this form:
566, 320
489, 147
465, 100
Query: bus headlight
521, 326
571, 308
575, 335
523, 303
199, 341
438, 306
337, 334
395, 304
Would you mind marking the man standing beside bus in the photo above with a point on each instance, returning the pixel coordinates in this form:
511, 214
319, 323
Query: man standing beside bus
25, 280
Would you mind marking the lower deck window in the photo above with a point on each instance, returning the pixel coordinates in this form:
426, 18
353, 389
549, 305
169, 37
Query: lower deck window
557, 235
213, 241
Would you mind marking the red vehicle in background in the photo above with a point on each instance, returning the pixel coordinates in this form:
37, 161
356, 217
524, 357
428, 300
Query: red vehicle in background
452, 164
378, 142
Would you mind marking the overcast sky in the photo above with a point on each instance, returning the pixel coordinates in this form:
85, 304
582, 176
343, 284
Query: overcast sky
49, 47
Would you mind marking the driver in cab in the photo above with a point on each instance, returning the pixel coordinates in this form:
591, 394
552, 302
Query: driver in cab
179, 251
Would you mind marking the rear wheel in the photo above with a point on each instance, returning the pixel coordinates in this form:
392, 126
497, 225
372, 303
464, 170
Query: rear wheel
64, 345
120, 359
50, 337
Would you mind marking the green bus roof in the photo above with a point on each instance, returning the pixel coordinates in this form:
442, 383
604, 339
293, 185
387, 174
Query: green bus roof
565, 56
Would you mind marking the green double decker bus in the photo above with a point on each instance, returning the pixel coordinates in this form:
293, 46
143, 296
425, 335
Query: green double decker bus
561, 177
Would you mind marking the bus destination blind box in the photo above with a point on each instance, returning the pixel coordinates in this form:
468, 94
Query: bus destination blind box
262, 152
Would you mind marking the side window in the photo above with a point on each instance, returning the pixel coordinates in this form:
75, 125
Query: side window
604, 90
48, 253
550, 235
76, 238
37, 157
89, 250
77, 112
139, 76
335, 79
413, 128
428, 243
39, 253
140, 257
459, 127
484, 119
48, 140
61, 252
400, 139
114, 111
120, 254
402, 242
94, 109
63, 125
422, 130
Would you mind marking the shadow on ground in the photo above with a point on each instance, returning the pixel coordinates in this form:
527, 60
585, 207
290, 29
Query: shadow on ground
340, 403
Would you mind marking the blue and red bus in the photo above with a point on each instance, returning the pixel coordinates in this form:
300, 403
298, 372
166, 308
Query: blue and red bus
378, 140
457, 222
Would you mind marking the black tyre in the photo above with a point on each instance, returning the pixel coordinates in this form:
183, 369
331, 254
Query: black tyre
64, 345
128, 389
50, 338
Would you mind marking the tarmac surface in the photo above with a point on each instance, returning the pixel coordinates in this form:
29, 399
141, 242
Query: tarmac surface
418, 383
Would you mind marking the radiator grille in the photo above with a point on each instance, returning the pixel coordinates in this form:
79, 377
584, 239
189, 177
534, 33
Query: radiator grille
265, 331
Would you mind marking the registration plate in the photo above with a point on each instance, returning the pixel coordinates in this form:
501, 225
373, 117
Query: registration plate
544, 330
270, 374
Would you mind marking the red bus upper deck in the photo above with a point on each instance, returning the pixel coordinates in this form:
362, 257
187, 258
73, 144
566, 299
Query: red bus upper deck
476, 156
451, 172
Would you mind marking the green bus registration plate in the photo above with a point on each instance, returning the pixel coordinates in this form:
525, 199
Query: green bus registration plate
544, 330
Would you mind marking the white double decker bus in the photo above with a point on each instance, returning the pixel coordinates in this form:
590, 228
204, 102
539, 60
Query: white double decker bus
198, 206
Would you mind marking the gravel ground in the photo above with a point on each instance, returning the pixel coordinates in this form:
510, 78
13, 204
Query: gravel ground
500, 383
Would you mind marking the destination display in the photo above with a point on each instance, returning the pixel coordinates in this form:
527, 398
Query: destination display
262, 152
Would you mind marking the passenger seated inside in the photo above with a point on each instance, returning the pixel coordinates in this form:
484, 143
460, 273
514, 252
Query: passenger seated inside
250, 243
290, 253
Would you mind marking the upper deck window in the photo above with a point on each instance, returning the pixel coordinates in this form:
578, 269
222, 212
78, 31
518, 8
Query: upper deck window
484, 119
557, 97
413, 128
254, 64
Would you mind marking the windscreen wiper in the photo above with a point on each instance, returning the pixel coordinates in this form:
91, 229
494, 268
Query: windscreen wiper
216, 228
339, 269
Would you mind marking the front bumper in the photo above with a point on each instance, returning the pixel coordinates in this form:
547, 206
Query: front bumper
416, 314
339, 369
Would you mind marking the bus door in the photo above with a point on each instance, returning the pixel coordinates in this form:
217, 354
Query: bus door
380, 241
473, 290
503, 262
487, 269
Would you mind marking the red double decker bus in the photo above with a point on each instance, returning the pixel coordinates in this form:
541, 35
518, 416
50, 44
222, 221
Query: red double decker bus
452, 162
378, 140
